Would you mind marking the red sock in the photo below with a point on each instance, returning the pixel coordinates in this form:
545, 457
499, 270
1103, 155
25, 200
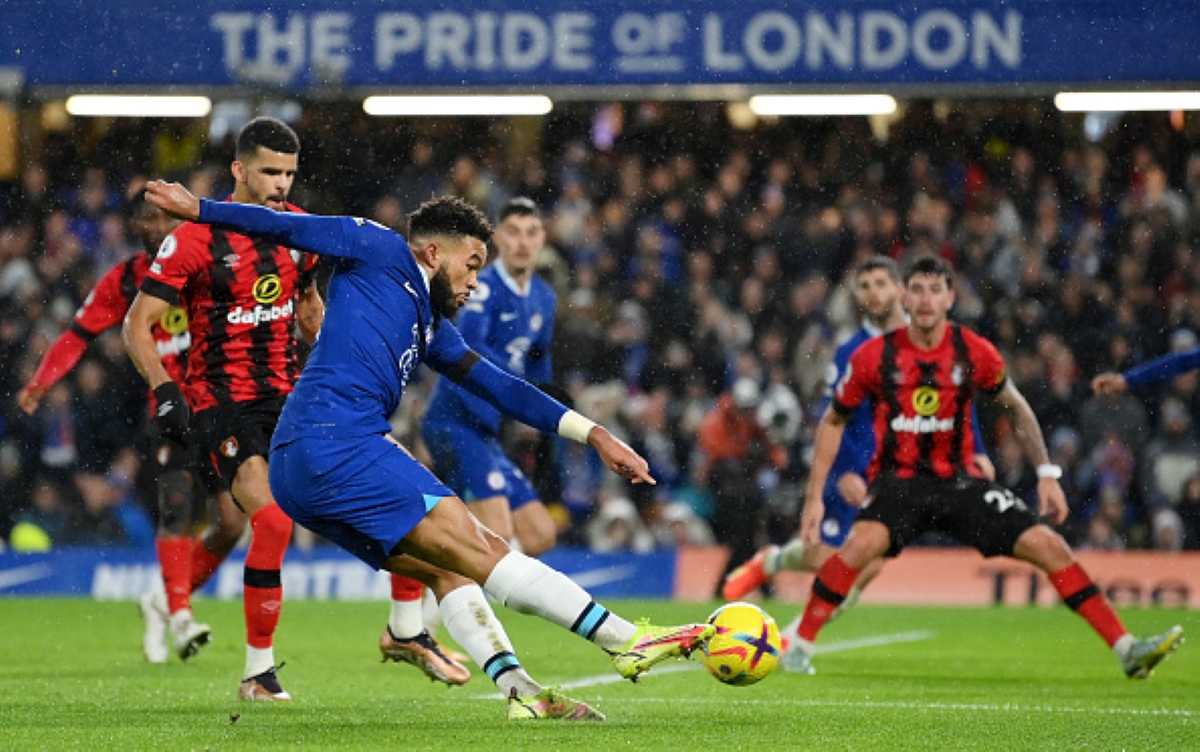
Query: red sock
1081, 594
406, 589
175, 561
262, 597
828, 591
204, 563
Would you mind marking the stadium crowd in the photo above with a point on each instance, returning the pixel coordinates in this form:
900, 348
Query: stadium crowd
690, 257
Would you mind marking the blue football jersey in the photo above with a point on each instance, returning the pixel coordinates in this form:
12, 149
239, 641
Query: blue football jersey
511, 328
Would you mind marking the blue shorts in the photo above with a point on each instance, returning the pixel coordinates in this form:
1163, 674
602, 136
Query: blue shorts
364, 494
475, 465
839, 516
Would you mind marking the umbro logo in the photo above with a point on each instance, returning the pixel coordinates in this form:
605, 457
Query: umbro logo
165, 408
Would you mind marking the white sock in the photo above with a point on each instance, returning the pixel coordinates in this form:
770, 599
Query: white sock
405, 620
530, 587
431, 617
789, 558
259, 660
474, 626
1122, 646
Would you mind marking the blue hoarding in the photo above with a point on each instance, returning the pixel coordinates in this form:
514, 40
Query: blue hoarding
330, 44
323, 573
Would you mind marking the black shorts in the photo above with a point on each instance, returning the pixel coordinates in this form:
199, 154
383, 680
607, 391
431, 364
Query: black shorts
232, 433
168, 455
975, 511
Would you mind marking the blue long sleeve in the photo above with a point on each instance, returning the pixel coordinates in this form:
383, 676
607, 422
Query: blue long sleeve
1163, 369
341, 237
514, 396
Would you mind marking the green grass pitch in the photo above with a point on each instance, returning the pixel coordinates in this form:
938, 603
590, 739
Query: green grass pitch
72, 677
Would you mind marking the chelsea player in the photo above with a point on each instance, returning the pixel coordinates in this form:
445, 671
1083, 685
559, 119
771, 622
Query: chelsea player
336, 470
509, 319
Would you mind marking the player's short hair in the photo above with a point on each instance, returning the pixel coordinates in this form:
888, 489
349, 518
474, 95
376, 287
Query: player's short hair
879, 261
135, 202
931, 265
269, 133
451, 216
521, 206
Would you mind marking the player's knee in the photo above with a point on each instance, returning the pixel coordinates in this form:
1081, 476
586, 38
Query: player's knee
537, 539
174, 502
271, 527
1042, 546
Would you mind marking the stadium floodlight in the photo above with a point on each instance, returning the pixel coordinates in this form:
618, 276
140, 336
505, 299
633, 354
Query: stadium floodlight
103, 105
413, 106
1127, 101
813, 105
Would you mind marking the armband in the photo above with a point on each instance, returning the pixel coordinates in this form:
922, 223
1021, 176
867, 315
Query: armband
575, 427
1049, 471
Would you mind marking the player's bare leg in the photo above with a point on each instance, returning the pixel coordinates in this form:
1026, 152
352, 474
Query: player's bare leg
450, 538
1046, 549
534, 528
262, 598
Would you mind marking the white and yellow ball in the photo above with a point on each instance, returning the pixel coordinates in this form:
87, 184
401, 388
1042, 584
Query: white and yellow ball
746, 647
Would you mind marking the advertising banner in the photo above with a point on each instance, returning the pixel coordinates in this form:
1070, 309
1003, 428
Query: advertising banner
332, 44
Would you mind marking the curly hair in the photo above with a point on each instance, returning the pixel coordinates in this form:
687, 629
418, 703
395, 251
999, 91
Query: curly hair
450, 216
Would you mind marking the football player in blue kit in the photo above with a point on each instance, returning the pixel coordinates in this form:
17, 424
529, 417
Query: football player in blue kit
336, 470
509, 319
877, 291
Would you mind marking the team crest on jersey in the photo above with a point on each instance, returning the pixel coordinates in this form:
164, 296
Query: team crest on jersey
956, 374
535, 322
495, 480
926, 401
167, 248
229, 447
481, 293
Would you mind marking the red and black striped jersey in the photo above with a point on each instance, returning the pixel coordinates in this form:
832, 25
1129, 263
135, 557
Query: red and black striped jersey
921, 400
105, 308
240, 294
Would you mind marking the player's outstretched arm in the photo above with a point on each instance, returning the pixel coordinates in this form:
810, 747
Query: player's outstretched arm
1029, 434
518, 399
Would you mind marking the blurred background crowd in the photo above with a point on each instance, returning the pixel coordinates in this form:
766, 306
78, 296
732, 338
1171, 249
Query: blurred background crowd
703, 270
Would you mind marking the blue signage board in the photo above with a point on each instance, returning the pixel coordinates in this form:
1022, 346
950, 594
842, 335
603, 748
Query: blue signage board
528, 44
322, 573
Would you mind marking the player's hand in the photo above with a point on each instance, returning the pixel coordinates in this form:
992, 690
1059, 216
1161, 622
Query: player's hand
30, 397
171, 414
1053, 500
174, 199
810, 519
1109, 383
984, 463
618, 456
853, 488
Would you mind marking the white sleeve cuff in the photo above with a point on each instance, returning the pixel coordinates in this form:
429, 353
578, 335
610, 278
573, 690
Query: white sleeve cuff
575, 427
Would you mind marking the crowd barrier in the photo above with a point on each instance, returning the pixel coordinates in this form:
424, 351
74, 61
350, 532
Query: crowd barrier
925, 576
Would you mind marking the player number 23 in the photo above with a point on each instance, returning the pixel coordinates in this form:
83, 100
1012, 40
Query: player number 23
1003, 500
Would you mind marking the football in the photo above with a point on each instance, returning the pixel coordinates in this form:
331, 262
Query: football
745, 648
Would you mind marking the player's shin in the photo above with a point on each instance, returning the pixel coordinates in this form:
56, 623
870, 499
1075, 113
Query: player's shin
1078, 591
530, 587
471, 622
829, 589
263, 594
405, 620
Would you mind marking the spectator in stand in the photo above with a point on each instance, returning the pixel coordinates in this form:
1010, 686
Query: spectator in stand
735, 449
